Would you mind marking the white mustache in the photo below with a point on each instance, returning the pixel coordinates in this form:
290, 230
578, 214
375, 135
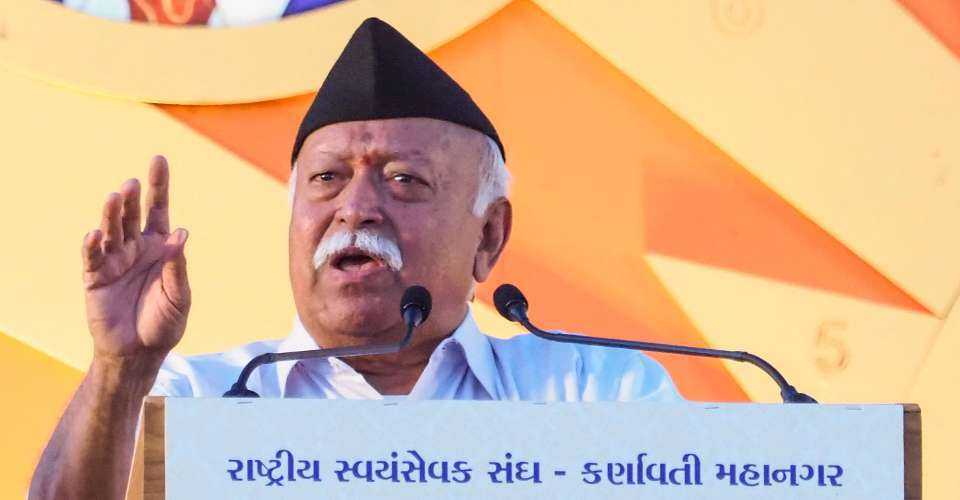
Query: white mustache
372, 243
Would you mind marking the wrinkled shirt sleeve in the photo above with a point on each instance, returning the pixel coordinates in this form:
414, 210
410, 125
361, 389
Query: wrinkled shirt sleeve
172, 381
623, 375
656, 384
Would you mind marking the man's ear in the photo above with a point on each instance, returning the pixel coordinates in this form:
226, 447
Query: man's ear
494, 234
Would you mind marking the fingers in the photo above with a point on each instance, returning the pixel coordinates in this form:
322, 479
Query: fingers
110, 223
158, 217
120, 222
130, 216
174, 271
91, 251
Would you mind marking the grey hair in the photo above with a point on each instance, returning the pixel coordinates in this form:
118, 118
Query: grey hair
494, 179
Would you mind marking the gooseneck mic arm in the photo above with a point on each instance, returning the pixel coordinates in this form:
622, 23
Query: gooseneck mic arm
512, 305
414, 307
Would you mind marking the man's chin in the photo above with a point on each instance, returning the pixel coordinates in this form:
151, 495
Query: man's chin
363, 315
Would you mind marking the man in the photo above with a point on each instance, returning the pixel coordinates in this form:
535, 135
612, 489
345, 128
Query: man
398, 179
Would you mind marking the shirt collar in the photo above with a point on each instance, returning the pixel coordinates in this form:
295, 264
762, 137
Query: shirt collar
476, 348
298, 340
479, 354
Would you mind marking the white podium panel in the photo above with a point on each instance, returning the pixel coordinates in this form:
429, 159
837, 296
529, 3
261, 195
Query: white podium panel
299, 448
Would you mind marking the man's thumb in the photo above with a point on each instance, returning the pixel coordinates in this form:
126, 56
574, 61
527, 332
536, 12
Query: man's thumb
174, 272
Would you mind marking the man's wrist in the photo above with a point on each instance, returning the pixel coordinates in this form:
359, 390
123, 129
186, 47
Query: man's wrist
133, 375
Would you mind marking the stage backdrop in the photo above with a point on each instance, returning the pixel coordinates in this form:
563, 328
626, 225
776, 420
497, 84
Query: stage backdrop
779, 177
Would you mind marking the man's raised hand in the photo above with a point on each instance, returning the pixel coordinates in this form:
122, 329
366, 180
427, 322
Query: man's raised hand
137, 294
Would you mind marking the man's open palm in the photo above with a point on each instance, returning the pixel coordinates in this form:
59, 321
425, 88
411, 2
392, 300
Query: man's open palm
137, 294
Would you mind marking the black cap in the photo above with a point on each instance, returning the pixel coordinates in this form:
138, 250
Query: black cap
380, 75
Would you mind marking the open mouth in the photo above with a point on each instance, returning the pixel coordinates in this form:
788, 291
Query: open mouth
354, 259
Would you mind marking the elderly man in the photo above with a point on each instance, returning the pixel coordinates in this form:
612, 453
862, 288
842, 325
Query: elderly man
398, 179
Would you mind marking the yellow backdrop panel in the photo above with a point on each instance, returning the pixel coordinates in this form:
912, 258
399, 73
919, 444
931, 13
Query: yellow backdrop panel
70, 151
36, 390
833, 347
849, 110
154, 63
936, 392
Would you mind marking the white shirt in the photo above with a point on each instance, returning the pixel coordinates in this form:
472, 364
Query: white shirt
465, 365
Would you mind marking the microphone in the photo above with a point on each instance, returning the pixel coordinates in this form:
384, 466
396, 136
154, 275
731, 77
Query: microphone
512, 305
414, 308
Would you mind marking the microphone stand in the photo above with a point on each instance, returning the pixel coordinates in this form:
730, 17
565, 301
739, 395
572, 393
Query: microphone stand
789, 393
240, 390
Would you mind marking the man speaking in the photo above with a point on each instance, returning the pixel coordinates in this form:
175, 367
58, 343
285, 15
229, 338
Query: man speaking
398, 179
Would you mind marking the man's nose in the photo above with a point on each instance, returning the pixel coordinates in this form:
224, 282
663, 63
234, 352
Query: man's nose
361, 203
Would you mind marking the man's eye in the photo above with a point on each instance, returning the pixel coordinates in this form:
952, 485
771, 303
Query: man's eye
404, 178
325, 176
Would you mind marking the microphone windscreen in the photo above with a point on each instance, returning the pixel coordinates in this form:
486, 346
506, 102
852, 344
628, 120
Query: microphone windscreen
505, 296
416, 296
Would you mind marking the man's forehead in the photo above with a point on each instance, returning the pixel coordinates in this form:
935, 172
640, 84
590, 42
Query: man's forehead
424, 137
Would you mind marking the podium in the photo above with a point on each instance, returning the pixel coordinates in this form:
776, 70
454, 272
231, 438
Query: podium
303, 448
